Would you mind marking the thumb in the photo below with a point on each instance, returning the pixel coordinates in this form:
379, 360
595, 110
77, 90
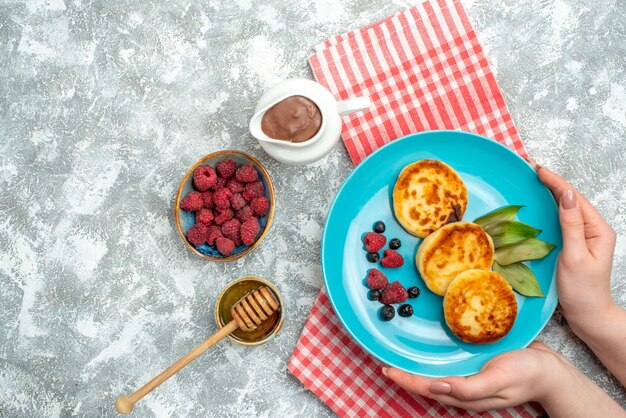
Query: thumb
572, 224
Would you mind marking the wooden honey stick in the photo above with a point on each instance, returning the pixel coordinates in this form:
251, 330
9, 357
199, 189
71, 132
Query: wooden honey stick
248, 314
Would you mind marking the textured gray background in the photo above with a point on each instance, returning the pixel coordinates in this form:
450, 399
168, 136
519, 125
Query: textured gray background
104, 105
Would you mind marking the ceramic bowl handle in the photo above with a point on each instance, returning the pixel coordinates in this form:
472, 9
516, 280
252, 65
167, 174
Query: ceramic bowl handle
353, 105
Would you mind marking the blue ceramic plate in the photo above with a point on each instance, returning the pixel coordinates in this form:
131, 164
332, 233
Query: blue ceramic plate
185, 220
495, 176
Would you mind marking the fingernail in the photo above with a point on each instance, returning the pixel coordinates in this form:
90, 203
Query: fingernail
385, 371
568, 200
441, 388
533, 163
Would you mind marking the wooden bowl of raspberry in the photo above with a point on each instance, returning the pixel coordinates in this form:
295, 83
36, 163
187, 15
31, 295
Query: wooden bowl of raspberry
224, 205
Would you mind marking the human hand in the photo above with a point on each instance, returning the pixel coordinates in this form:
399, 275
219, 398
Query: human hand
509, 379
584, 265
535, 373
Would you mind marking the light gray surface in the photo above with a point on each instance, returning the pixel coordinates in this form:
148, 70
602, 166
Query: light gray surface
105, 104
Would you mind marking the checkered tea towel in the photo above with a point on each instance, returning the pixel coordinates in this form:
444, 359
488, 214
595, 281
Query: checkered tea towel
423, 69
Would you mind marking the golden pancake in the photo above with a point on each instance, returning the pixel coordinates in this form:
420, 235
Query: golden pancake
427, 195
479, 306
454, 248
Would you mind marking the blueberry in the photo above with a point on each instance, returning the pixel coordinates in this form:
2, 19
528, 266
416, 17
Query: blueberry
387, 312
379, 227
394, 244
372, 257
405, 310
413, 291
375, 294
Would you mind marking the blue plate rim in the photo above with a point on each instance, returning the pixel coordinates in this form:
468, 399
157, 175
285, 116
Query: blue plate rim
554, 302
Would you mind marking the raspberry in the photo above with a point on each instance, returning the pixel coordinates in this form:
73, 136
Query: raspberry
192, 202
374, 242
249, 230
207, 199
226, 169
237, 201
204, 216
260, 205
223, 215
224, 246
221, 198
197, 234
252, 190
376, 279
235, 186
230, 229
244, 213
204, 177
215, 231
392, 259
219, 183
394, 293
247, 174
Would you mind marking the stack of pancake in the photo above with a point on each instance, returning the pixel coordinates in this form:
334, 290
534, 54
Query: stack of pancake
455, 258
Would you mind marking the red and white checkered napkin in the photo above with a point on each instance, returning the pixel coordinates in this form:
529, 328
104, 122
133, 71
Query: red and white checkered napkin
424, 69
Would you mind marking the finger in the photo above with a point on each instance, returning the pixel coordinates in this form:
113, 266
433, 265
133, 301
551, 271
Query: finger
485, 384
538, 345
532, 163
422, 386
597, 232
595, 225
410, 382
572, 225
477, 405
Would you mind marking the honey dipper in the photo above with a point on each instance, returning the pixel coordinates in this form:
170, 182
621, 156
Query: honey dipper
248, 314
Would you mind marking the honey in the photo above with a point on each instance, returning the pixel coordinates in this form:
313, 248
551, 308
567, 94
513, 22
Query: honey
233, 294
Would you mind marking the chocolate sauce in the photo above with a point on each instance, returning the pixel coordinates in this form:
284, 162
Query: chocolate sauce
294, 119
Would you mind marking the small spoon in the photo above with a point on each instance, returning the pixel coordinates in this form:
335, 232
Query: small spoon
248, 314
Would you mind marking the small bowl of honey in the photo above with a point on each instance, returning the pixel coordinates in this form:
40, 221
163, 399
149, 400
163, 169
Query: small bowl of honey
232, 294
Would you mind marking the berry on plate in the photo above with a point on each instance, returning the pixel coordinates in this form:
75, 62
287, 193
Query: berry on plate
413, 291
374, 242
376, 279
375, 294
405, 310
372, 257
395, 243
394, 293
387, 313
379, 227
392, 259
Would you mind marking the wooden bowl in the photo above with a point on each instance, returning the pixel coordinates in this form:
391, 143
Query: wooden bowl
185, 220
